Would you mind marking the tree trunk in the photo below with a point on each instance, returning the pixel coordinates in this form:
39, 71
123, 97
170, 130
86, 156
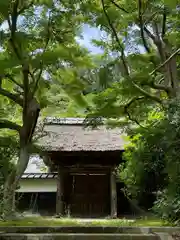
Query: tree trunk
8, 197
30, 117
12, 183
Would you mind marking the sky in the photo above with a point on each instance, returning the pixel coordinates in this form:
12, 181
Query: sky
90, 33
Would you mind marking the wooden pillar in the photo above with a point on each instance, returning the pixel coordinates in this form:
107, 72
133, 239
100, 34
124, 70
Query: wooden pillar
113, 194
60, 193
67, 193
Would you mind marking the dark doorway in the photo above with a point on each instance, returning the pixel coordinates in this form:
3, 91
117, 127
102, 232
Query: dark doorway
123, 205
43, 203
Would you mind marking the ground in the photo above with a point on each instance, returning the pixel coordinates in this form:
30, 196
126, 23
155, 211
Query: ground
44, 221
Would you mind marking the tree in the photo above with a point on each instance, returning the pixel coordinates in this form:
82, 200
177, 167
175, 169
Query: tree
35, 36
141, 37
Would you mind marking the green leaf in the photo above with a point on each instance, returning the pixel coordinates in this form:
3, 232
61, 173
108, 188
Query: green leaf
172, 4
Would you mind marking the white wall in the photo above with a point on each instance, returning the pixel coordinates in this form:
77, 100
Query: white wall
38, 185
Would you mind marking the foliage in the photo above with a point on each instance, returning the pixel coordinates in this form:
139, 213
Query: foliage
9, 145
152, 163
167, 204
144, 163
8, 156
138, 35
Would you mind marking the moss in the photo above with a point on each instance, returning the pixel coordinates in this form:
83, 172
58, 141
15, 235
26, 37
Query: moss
43, 221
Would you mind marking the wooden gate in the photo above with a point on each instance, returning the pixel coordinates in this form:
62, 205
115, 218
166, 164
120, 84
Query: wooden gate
90, 196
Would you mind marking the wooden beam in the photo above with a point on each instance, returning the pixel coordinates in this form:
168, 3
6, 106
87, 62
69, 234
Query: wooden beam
60, 193
89, 169
86, 169
86, 158
113, 194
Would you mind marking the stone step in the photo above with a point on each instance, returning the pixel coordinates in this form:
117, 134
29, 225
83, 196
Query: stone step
86, 229
77, 236
72, 229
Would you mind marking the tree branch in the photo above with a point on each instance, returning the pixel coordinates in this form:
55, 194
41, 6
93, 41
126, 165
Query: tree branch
150, 34
141, 90
164, 63
9, 125
119, 7
117, 39
14, 17
37, 80
142, 28
150, 18
127, 112
45, 47
13, 80
25, 7
155, 86
133, 100
159, 87
13, 27
145, 93
15, 98
157, 31
164, 22
25, 70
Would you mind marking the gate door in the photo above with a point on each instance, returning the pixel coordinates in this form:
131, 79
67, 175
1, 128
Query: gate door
90, 196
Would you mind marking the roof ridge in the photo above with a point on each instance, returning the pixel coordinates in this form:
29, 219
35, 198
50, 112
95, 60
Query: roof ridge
71, 121
27, 173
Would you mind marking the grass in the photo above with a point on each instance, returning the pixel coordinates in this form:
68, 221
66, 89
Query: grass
42, 221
